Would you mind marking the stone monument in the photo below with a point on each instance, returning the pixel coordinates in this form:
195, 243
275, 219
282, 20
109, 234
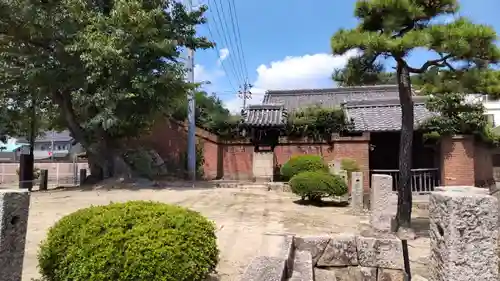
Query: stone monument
357, 192
383, 203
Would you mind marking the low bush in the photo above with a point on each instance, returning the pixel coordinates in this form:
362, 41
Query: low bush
303, 163
315, 185
134, 241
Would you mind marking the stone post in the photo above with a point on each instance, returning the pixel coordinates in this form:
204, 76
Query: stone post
44, 179
463, 236
383, 203
83, 176
357, 192
14, 209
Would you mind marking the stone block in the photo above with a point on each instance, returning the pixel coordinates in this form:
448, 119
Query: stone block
340, 251
357, 192
321, 274
14, 211
385, 274
463, 236
265, 268
314, 244
380, 252
302, 267
383, 203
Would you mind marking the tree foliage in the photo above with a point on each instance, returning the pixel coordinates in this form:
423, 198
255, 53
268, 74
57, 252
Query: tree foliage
393, 29
103, 69
317, 123
363, 70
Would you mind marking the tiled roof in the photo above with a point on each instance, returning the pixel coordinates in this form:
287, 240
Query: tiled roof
295, 99
383, 114
263, 115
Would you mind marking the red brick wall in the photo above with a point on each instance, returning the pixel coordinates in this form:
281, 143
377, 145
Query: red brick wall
465, 161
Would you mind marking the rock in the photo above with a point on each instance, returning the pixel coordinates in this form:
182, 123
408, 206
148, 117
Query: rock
321, 274
265, 269
314, 244
380, 252
385, 274
340, 251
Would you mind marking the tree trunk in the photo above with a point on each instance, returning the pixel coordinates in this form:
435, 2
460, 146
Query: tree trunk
403, 216
104, 159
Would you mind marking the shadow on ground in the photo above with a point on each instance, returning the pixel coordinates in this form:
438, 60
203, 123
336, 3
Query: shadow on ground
323, 203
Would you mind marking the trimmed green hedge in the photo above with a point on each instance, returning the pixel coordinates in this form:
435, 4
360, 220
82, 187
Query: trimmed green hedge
136, 241
316, 185
303, 163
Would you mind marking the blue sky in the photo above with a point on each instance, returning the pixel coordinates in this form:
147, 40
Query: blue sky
286, 43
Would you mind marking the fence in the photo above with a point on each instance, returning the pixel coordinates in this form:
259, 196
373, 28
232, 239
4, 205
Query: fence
423, 181
59, 174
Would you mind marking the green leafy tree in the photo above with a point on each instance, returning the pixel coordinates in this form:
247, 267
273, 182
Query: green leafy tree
393, 29
105, 70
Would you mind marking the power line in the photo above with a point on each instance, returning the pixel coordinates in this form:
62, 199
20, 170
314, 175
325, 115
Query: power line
237, 33
224, 36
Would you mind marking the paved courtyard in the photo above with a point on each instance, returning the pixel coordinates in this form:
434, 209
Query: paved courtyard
247, 220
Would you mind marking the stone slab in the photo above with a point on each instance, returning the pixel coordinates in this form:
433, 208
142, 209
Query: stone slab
391, 275
302, 267
321, 274
380, 252
14, 211
340, 251
314, 244
462, 188
264, 268
463, 236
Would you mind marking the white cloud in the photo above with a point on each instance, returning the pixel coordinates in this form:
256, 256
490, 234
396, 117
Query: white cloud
223, 54
301, 72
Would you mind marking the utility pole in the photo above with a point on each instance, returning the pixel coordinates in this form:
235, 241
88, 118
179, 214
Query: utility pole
191, 149
245, 93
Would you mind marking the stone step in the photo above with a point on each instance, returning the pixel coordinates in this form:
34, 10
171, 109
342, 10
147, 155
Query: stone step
302, 267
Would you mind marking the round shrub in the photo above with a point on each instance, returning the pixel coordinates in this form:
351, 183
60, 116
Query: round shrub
316, 185
303, 163
134, 241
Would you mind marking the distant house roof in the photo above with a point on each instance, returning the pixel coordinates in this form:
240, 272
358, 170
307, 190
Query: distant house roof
383, 114
334, 97
49, 136
265, 115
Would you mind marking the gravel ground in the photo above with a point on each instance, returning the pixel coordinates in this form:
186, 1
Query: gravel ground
246, 220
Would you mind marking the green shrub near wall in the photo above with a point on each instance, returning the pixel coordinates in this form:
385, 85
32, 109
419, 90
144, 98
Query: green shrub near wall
133, 241
303, 163
318, 184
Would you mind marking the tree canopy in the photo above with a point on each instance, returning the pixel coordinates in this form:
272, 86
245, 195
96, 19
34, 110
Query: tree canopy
105, 70
395, 28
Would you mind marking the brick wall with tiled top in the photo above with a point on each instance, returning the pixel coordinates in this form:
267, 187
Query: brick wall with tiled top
233, 159
465, 161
